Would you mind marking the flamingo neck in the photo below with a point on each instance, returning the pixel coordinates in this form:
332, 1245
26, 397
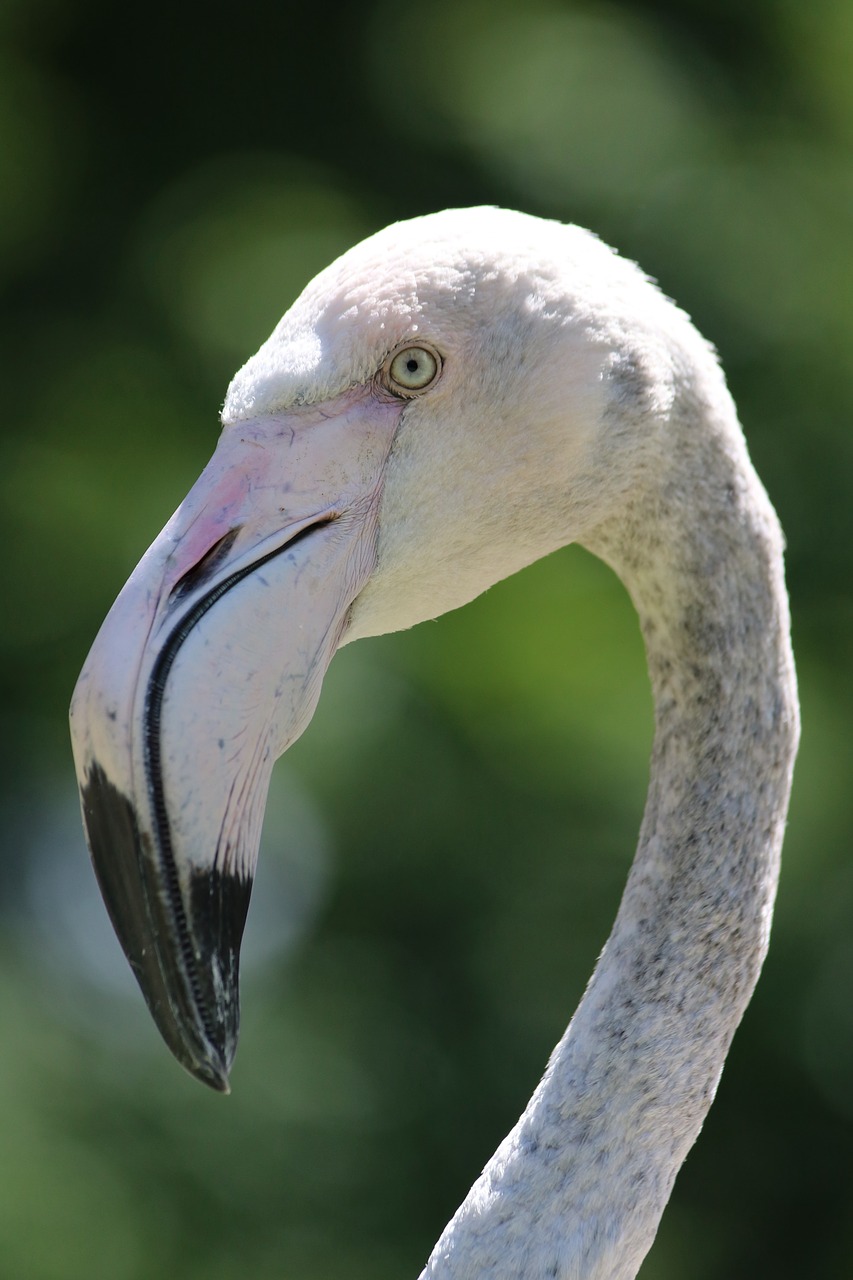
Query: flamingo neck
577, 1189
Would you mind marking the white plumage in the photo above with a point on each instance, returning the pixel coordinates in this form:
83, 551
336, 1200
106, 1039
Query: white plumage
570, 402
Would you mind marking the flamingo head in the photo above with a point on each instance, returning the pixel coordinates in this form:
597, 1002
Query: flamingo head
450, 400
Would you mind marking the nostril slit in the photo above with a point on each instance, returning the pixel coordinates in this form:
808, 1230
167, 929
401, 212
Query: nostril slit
206, 567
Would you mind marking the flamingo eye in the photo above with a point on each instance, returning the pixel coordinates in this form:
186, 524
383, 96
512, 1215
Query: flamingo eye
412, 370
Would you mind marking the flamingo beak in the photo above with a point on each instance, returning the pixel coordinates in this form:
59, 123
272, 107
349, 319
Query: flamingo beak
207, 668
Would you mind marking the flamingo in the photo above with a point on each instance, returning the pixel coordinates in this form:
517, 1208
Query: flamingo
453, 398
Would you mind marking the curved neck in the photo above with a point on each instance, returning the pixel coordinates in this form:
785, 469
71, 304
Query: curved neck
590, 1165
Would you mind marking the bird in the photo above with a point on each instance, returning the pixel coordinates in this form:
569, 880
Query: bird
453, 398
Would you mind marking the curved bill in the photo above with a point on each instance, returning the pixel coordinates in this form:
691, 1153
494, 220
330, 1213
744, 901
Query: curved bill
207, 668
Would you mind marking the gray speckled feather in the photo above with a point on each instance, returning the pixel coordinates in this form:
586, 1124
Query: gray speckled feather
577, 1189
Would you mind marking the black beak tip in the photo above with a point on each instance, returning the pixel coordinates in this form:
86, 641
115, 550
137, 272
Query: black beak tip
183, 944
211, 1069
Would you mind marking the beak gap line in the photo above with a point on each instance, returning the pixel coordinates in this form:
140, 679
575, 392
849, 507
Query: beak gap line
153, 758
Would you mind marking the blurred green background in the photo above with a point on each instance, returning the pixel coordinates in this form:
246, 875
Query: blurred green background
445, 848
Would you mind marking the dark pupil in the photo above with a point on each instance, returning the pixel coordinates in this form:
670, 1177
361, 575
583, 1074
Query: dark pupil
412, 364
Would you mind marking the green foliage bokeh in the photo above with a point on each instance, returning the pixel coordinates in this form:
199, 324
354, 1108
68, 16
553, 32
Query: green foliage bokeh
446, 846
